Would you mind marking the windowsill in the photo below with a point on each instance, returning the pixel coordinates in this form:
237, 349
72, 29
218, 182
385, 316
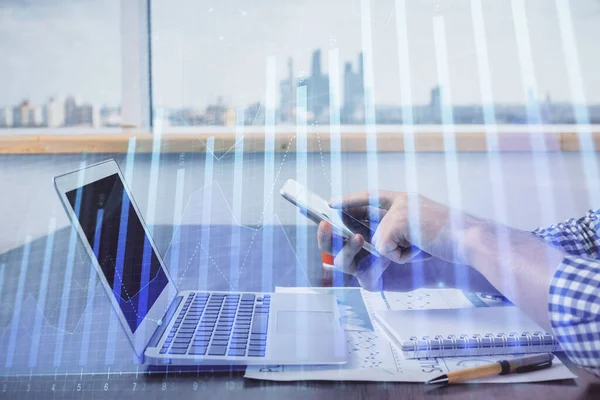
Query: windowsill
390, 138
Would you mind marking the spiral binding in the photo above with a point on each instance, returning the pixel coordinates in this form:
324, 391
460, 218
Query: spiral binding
477, 345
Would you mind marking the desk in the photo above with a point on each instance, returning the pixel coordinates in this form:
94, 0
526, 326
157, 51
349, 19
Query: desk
79, 374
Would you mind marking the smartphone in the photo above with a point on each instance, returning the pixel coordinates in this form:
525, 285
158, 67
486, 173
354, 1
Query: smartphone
317, 209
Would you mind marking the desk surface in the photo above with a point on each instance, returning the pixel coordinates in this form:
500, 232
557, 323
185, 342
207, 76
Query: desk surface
94, 373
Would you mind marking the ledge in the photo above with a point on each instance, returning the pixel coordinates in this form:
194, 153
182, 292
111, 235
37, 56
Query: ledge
355, 141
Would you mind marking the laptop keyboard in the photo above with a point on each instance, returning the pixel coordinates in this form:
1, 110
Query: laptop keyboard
220, 324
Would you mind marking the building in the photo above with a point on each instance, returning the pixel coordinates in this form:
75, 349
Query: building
71, 117
55, 113
215, 113
287, 88
36, 116
6, 117
21, 115
87, 115
317, 88
435, 105
354, 93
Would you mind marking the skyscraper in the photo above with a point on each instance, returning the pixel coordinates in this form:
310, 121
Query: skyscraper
55, 113
71, 117
287, 89
354, 93
6, 117
21, 114
317, 88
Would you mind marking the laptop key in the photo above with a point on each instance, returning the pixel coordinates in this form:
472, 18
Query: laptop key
216, 350
237, 352
256, 353
198, 350
177, 351
260, 323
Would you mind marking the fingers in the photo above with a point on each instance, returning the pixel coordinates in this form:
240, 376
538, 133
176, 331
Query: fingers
381, 199
324, 237
344, 261
369, 273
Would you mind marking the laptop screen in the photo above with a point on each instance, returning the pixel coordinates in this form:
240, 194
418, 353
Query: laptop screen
121, 246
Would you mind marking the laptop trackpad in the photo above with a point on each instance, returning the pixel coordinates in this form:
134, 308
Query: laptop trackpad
305, 322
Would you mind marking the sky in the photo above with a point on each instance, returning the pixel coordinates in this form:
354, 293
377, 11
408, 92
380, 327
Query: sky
203, 50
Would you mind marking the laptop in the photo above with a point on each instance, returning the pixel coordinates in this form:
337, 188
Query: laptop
168, 326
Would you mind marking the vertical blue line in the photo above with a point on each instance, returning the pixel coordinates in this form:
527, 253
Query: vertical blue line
408, 129
452, 176
582, 118
491, 129
142, 307
66, 291
301, 227
2, 268
206, 214
539, 151
91, 288
369, 89
118, 278
176, 242
39, 318
14, 327
302, 178
335, 135
269, 177
153, 184
238, 181
130, 161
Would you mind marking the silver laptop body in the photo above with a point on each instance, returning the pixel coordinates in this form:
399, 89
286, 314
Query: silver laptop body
168, 326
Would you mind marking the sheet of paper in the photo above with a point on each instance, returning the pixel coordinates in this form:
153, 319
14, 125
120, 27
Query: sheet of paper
372, 357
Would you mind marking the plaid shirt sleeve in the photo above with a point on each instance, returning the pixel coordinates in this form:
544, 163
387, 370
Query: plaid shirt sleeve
574, 305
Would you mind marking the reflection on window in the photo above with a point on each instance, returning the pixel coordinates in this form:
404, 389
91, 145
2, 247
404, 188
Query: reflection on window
210, 61
60, 64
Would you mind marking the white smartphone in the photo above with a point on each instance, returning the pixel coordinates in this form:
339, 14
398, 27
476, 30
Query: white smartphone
317, 209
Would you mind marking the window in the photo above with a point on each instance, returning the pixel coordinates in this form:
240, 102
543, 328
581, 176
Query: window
60, 64
212, 60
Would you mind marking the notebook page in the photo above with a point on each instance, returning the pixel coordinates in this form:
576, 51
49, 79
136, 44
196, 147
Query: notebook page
406, 324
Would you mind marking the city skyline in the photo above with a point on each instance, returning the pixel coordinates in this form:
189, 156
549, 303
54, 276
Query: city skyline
75, 47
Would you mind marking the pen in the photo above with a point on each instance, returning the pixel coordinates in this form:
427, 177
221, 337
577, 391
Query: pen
491, 296
503, 367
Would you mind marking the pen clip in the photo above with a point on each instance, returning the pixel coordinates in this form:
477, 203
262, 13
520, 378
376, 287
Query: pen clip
534, 367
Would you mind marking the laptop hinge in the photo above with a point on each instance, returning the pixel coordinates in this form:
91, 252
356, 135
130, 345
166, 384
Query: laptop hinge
165, 321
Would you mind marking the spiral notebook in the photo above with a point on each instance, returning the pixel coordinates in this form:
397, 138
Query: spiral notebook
465, 332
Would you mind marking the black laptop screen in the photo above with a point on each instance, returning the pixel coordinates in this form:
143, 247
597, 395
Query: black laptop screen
121, 246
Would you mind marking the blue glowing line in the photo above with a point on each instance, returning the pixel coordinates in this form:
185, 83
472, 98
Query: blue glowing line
153, 184
89, 305
269, 177
584, 131
491, 129
369, 91
238, 181
206, 214
408, 129
37, 325
539, 151
301, 176
14, 328
144, 289
176, 241
130, 160
64, 303
335, 135
452, 176
119, 267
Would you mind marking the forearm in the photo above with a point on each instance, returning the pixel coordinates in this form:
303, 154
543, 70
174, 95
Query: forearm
517, 263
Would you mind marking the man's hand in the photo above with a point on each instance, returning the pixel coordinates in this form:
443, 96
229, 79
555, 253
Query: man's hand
411, 220
410, 225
